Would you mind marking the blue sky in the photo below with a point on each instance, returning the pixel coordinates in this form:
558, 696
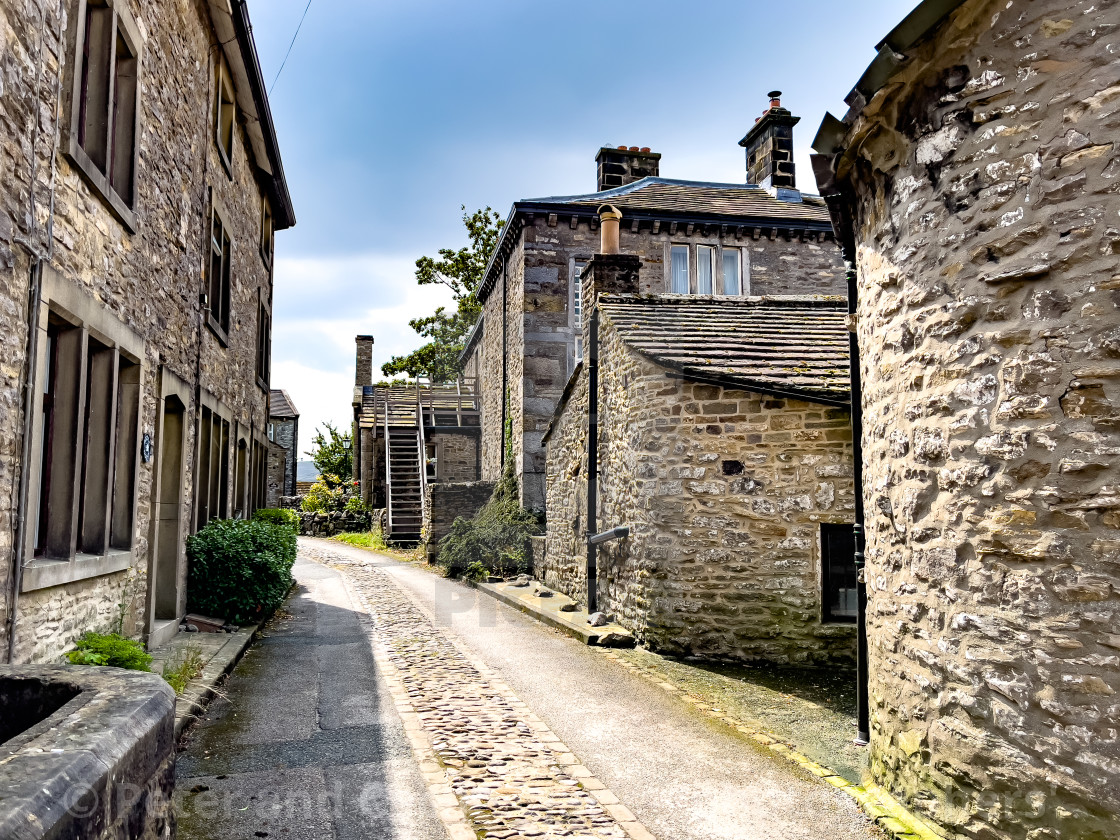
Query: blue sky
391, 116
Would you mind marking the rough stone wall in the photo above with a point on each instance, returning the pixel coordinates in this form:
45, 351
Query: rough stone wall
724, 491
456, 456
988, 229
286, 434
445, 502
149, 280
542, 325
274, 477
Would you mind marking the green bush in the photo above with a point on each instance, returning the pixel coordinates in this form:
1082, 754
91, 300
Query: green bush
496, 539
110, 649
239, 570
354, 504
278, 516
324, 496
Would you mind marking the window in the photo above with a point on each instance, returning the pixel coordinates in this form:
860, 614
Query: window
678, 261
104, 107
272, 431
267, 231
219, 279
577, 307
838, 564
225, 113
264, 343
732, 271
87, 445
211, 487
705, 268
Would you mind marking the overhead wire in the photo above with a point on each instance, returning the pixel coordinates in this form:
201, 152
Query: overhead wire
289, 52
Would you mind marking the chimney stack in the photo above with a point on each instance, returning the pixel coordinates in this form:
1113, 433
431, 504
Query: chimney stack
363, 368
620, 166
769, 146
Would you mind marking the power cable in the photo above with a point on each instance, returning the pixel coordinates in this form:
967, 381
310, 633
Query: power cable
289, 52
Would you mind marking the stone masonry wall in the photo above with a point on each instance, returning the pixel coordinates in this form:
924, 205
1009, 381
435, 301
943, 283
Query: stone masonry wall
286, 434
149, 280
988, 234
724, 491
456, 455
543, 327
447, 501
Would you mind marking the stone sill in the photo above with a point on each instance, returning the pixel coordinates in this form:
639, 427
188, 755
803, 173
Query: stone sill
44, 574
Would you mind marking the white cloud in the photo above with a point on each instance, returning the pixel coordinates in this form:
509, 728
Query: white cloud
320, 305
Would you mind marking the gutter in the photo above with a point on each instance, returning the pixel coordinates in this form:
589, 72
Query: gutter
284, 214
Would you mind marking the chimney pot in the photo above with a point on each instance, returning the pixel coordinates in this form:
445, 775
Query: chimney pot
633, 148
622, 148
645, 149
609, 218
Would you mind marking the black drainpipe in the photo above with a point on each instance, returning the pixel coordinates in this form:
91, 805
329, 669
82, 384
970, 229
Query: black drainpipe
592, 459
863, 712
22, 528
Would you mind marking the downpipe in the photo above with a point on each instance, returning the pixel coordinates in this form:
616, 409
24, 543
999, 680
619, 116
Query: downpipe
863, 705
593, 461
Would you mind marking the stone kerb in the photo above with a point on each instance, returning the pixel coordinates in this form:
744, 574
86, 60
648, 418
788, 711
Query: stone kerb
102, 766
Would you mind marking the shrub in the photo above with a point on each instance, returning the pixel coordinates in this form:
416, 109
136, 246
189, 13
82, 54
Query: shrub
495, 539
278, 516
240, 570
112, 650
324, 496
354, 504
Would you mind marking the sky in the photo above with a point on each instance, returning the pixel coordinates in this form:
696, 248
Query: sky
392, 116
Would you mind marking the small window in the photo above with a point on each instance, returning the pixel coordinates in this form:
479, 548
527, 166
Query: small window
678, 268
219, 281
705, 268
838, 564
225, 112
577, 307
264, 344
267, 231
105, 108
272, 431
732, 271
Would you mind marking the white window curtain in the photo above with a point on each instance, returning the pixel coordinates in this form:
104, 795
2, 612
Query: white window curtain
732, 274
678, 282
705, 256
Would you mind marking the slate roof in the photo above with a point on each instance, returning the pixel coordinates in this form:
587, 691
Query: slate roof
787, 346
699, 198
281, 405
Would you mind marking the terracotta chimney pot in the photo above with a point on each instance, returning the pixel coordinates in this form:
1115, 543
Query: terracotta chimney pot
609, 217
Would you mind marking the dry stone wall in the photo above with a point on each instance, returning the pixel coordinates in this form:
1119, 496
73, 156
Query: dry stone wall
148, 280
456, 455
447, 501
987, 199
725, 492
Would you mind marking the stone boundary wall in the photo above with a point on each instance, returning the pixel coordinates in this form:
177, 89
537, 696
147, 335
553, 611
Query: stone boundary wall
444, 503
986, 191
337, 522
724, 491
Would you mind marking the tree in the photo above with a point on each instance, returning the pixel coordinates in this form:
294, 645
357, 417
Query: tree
332, 452
462, 272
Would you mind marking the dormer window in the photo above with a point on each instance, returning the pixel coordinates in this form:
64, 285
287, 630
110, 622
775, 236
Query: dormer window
225, 113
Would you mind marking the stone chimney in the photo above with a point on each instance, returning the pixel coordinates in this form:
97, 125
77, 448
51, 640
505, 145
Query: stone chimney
625, 165
769, 146
363, 369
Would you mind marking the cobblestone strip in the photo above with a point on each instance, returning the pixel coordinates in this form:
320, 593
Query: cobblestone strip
885, 811
493, 767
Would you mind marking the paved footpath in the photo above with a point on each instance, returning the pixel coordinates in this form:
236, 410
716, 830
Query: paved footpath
515, 731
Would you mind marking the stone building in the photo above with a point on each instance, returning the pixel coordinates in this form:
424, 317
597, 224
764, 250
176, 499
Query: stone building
975, 185
141, 188
723, 441
725, 240
283, 433
410, 436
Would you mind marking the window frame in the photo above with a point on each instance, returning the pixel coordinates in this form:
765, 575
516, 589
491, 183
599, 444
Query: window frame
688, 268
110, 432
121, 25
575, 272
219, 325
223, 83
827, 616
713, 258
744, 271
268, 232
264, 342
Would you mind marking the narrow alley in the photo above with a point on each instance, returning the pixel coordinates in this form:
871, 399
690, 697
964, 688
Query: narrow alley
515, 730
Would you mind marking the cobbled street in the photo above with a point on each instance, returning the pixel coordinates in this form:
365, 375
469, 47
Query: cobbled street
403, 705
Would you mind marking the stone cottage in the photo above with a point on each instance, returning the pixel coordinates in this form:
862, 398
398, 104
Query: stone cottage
722, 439
283, 435
141, 189
724, 240
411, 437
975, 186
